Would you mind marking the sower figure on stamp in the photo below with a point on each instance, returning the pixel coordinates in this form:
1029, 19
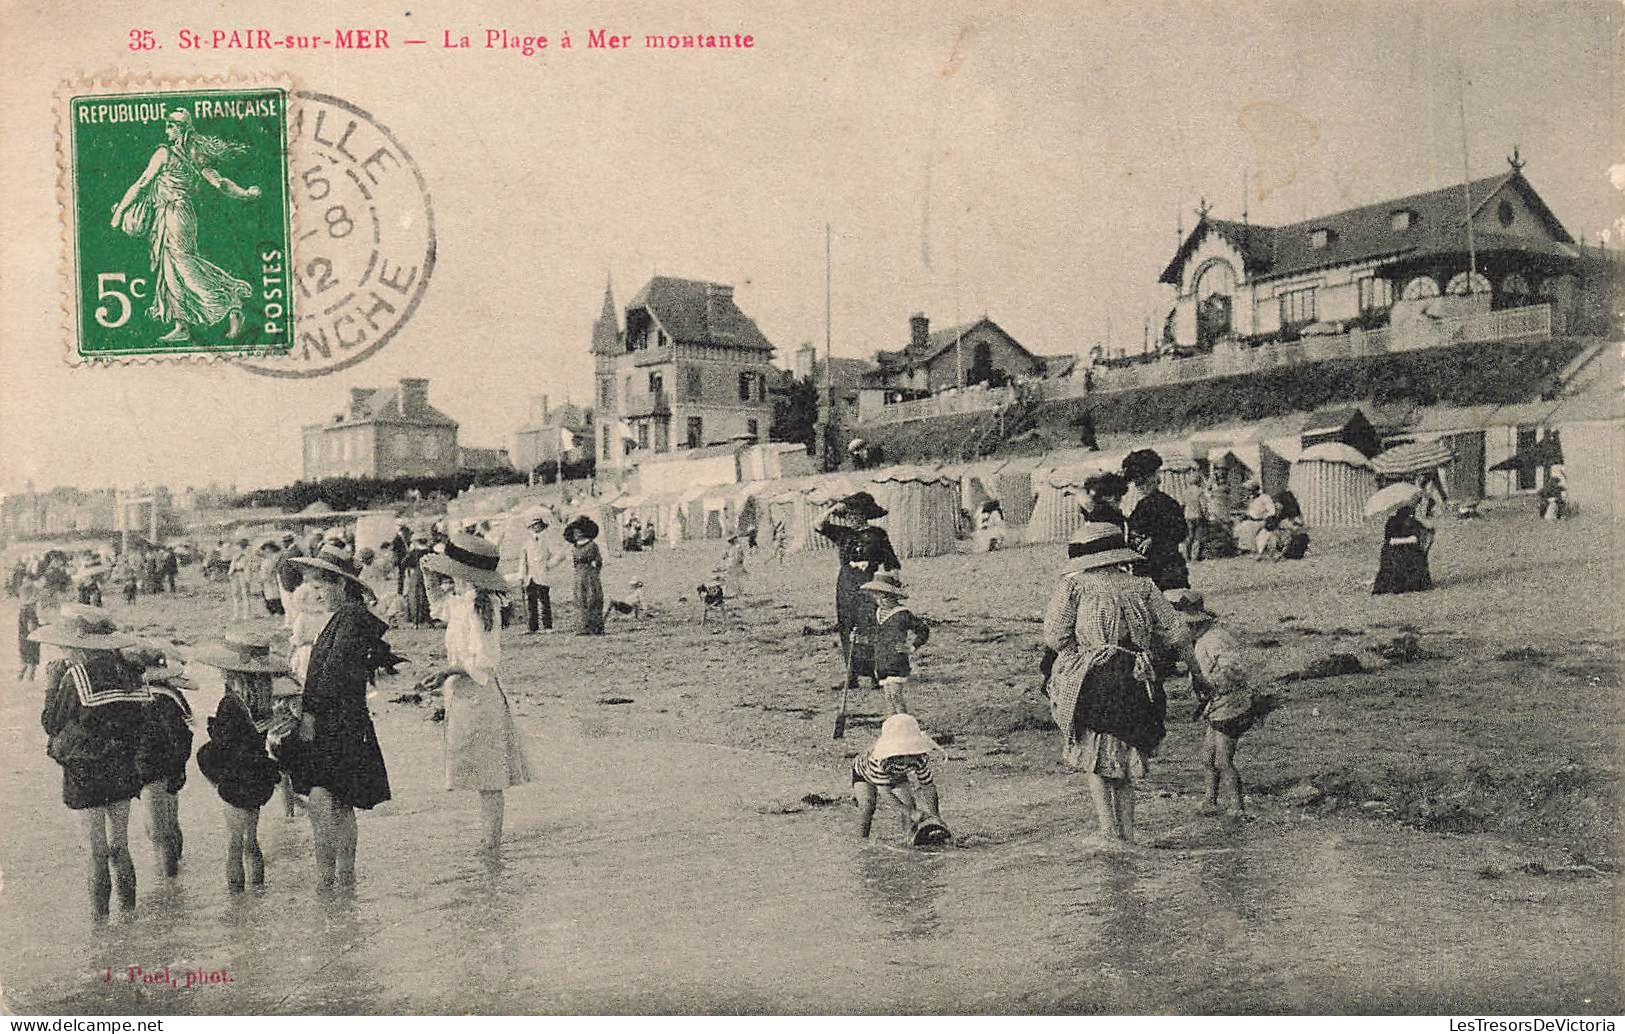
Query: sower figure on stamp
187, 289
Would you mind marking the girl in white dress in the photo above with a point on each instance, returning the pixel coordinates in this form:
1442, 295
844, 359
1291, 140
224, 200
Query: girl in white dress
484, 750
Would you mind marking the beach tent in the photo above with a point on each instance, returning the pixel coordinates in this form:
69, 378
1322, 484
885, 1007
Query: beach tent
923, 509
1013, 488
1058, 493
977, 484
1332, 481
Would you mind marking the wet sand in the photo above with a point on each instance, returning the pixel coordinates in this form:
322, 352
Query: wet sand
677, 853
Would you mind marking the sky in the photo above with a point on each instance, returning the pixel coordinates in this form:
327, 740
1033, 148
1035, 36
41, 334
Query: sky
1035, 164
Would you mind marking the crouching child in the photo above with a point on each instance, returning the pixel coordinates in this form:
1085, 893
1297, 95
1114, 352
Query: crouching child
885, 769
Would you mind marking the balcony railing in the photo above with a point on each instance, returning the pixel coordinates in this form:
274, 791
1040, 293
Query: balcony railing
647, 403
1528, 322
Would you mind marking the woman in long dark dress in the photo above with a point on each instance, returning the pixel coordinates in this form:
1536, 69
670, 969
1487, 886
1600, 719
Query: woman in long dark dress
341, 767
1403, 564
416, 593
1157, 526
863, 550
582, 535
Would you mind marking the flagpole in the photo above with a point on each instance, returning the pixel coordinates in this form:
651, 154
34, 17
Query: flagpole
1466, 190
829, 383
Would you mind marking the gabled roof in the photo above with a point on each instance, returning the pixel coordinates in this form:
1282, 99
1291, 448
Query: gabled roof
1255, 245
699, 312
569, 416
844, 371
384, 406
1364, 233
939, 341
1332, 419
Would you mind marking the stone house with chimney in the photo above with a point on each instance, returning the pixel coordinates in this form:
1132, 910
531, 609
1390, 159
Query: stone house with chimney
553, 434
970, 353
687, 369
384, 433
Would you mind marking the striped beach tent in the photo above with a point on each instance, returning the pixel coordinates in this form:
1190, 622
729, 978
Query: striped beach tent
922, 506
1332, 482
1058, 493
1412, 458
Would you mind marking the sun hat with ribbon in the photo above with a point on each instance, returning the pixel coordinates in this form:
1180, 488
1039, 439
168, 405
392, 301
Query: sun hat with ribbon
334, 558
886, 582
900, 734
469, 558
1097, 544
85, 628
241, 651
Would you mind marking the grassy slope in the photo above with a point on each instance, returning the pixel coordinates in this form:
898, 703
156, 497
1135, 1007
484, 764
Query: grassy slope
1463, 375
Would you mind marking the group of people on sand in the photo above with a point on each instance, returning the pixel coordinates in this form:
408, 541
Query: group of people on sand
1121, 617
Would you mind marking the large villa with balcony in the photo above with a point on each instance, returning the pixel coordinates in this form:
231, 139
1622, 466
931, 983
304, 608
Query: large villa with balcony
1484, 263
1456, 251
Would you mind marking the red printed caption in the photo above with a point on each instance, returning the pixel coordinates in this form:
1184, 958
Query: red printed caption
167, 977
521, 43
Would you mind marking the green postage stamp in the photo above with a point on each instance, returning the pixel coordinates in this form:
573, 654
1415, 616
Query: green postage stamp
177, 221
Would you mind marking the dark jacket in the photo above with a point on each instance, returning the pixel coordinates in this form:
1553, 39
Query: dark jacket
344, 757
234, 759
1157, 529
96, 746
167, 745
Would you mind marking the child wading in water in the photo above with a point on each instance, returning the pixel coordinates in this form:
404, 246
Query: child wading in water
901, 749
162, 762
95, 717
484, 750
895, 627
1230, 710
234, 759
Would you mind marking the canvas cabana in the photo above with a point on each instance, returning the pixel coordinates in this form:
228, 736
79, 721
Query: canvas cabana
923, 509
1058, 492
1332, 481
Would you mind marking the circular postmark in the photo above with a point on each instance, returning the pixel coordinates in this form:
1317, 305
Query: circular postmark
363, 238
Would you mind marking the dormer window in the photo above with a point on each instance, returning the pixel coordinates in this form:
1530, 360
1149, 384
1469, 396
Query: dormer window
1403, 219
1319, 239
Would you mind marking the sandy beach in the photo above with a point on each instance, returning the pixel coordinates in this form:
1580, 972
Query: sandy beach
1404, 816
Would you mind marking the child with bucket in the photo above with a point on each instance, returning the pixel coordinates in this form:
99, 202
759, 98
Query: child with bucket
898, 632
234, 759
901, 750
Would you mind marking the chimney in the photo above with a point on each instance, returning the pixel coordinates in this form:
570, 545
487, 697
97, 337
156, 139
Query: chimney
918, 328
414, 396
806, 356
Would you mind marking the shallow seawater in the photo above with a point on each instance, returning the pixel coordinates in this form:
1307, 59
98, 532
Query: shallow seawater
643, 876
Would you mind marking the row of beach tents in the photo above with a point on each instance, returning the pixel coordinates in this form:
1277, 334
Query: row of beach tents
1332, 480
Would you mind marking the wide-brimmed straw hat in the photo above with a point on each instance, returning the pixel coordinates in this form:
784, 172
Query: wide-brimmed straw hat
862, 504
1141, 463
900, 734
241, 651
471, 559
1100, 545
581, 526
333, 558
1189, 604
536, 519
886, 582
83, 627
